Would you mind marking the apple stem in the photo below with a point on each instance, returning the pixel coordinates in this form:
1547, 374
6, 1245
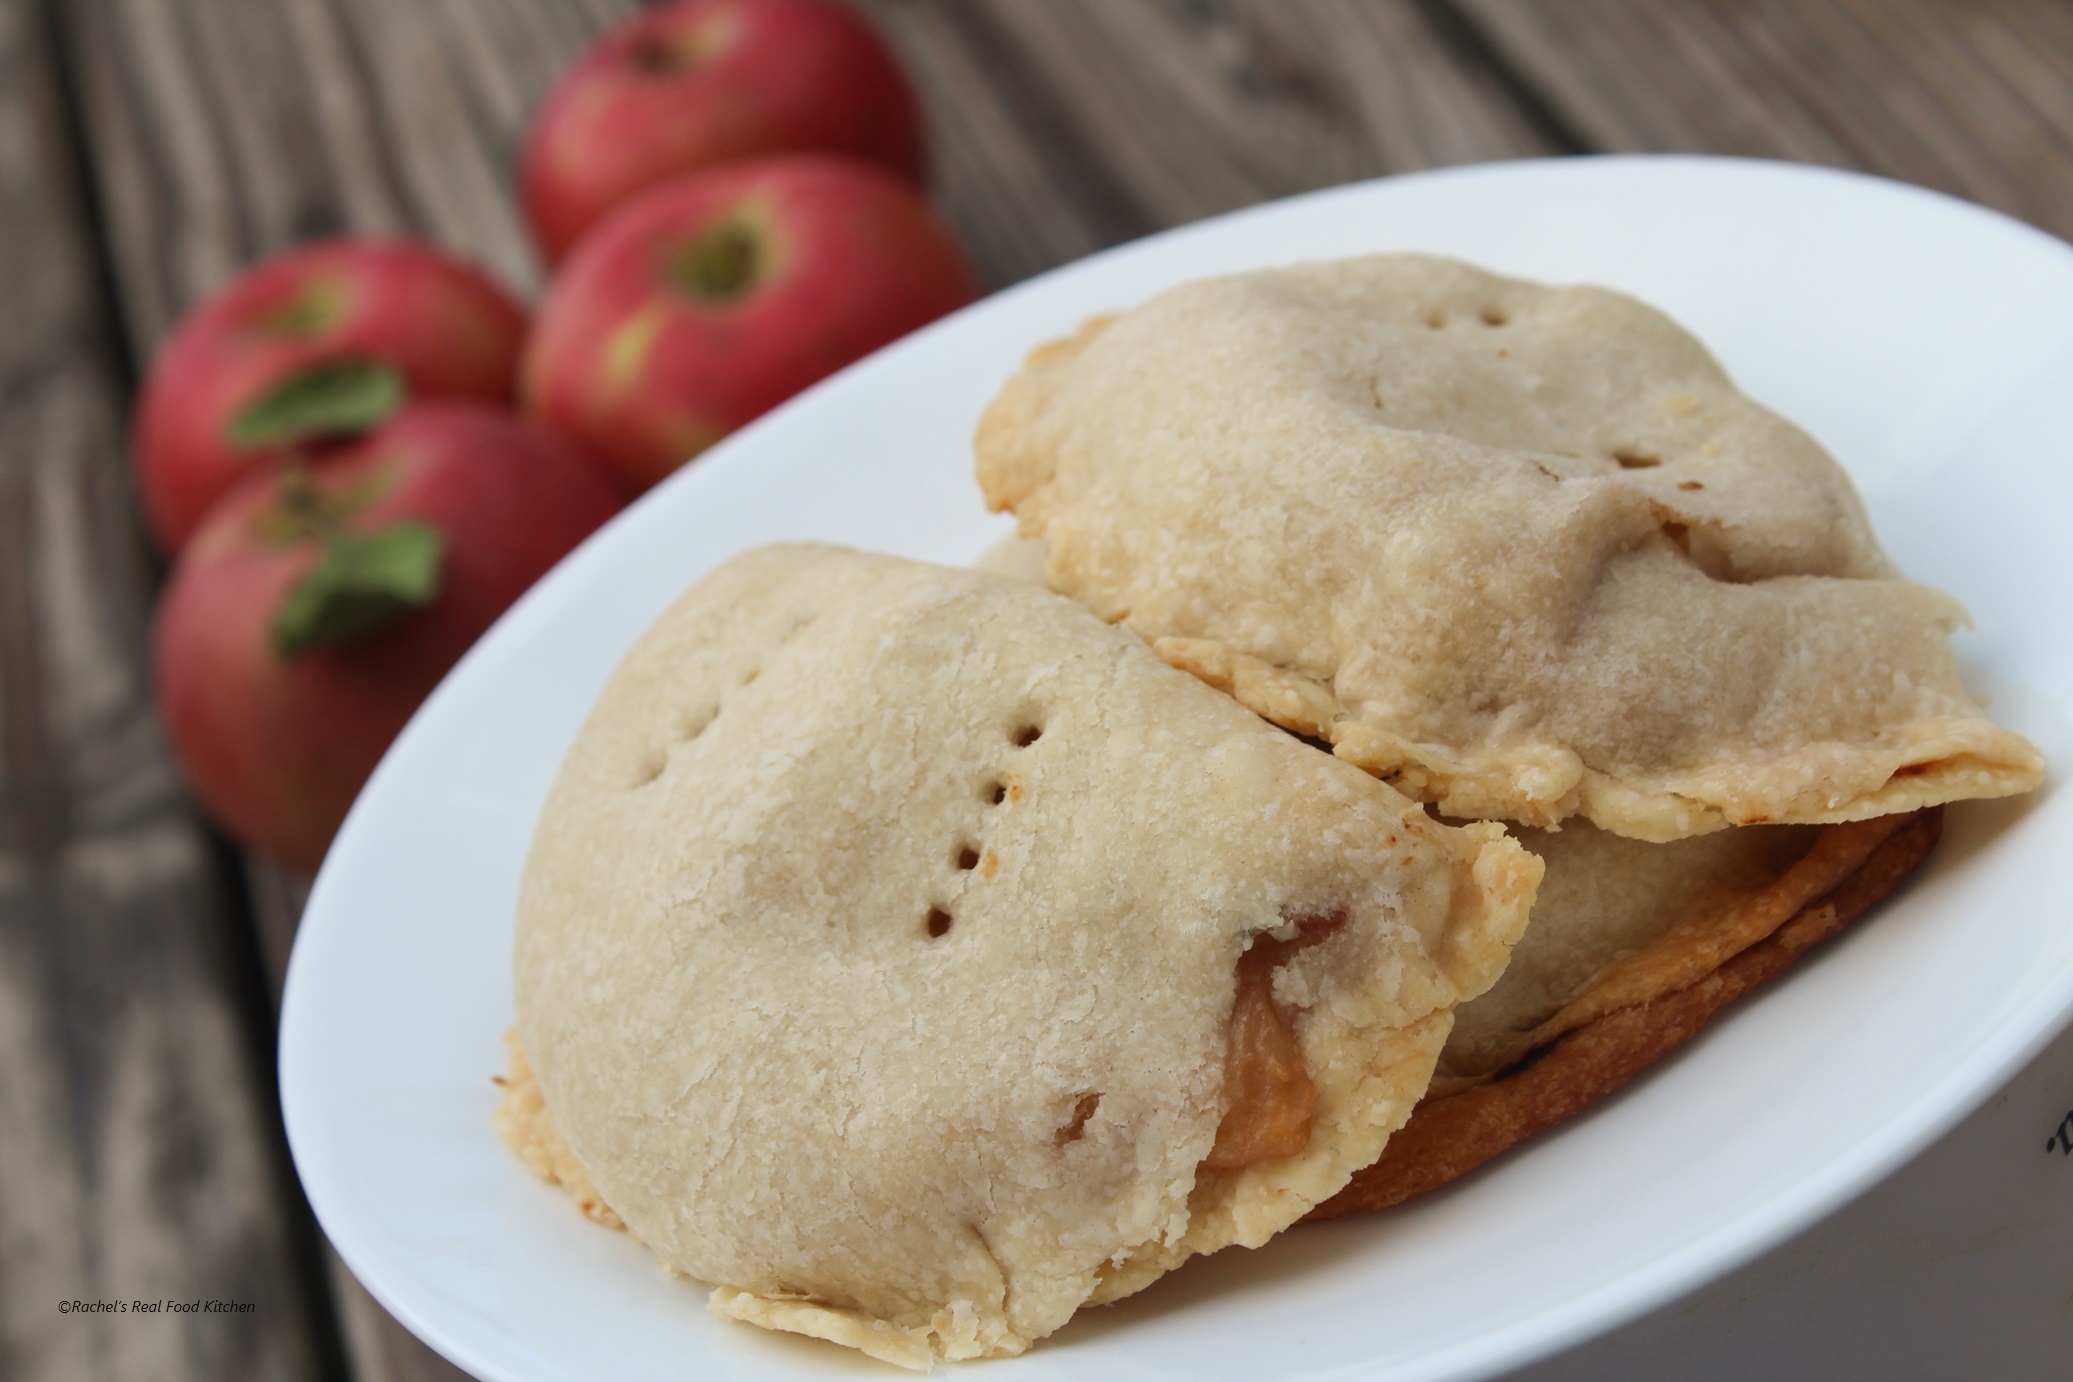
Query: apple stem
657, 57
670, 52
302, 503
721, 264
361, 583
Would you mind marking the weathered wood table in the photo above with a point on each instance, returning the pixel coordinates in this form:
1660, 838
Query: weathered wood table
148, 148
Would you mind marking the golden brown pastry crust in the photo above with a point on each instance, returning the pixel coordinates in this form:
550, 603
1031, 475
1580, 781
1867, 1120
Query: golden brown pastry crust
1452, 1134
526, 1125
863, 875
1688, 951
1523, 551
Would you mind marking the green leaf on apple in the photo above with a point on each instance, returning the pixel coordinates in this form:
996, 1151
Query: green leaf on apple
332, 399
361, 583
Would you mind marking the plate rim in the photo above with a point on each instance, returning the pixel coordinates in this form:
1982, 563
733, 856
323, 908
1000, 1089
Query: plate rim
1683, 1268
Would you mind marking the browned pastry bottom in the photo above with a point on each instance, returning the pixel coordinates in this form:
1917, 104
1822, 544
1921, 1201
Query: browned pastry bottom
1451, 1136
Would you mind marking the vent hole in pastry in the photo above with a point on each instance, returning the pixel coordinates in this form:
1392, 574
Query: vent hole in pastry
650, 767
937, 923
1495, 316
1435, 319
1076, 1127
749, 676
1689, 485
1632, 459
995, 791
967, 857
1028, 735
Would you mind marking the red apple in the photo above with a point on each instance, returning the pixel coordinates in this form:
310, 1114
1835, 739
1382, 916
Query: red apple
689, 85
320, 340
708, 301
319, 603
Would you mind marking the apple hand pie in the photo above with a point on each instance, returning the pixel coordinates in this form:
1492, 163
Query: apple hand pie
1524, 552
915, 958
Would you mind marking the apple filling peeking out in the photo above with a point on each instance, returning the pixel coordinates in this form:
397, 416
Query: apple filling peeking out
1270, 1096
1006, 932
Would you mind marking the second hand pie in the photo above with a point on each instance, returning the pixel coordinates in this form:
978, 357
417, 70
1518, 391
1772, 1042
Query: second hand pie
1524, 551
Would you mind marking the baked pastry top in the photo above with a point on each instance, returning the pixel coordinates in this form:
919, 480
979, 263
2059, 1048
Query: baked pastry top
1524, 551
879, 951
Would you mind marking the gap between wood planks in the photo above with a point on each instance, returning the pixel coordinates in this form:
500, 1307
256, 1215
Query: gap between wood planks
1473, 46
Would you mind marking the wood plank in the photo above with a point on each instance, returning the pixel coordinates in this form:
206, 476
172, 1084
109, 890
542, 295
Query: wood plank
1204, 107
137, 1132
275, 899
1974, 99
1063, 126
222, 132
381, 1350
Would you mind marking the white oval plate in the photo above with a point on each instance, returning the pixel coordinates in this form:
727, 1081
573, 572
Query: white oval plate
1927, 342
